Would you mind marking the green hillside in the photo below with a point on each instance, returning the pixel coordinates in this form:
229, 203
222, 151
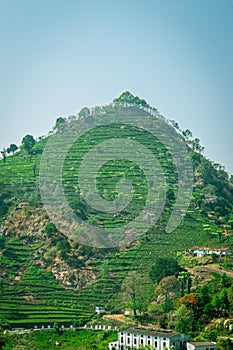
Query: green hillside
47, 277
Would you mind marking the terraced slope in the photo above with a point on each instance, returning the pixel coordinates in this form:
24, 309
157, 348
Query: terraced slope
33, 289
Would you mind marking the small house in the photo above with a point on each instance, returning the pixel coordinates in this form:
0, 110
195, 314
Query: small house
201, 345
99, 309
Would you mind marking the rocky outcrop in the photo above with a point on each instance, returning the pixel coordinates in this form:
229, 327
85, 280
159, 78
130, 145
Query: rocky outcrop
71, 269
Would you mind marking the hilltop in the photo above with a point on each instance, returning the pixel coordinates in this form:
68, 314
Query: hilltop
50, 277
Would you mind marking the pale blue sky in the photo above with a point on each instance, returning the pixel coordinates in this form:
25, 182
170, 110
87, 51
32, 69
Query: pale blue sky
58, 56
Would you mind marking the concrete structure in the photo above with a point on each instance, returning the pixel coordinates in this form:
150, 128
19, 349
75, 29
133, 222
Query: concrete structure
99, 309
132, 338
201, 251
201, 345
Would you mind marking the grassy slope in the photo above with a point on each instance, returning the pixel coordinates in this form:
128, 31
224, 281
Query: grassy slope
81, 340
37, 298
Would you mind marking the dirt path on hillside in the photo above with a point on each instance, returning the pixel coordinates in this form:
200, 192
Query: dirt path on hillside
123, 319
203, 270
116, 317
220, 270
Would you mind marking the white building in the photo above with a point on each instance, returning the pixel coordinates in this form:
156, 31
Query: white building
201, 345
202, 251
132, 338
99, 309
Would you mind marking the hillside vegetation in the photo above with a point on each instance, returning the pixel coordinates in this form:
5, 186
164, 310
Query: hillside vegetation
47, 277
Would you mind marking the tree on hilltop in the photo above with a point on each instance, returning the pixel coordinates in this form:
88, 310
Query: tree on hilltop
127, 97
3, 152
187, 134
28, 142
60, 122
84, 112
12, 148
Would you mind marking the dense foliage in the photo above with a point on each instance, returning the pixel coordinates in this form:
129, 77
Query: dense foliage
164, 267
47, 339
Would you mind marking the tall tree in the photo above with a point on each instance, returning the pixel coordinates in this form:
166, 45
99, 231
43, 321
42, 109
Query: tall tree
137, 292
187, 134
105, 269
184, 319
84, 112
175, 125
12, 148
164, 267
60, 122
50, 229
196, 146
3, 152
224, 344
167, 287
186, 282
127, 97
28, 142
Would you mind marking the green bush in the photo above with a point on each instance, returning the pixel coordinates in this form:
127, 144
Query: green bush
50, 229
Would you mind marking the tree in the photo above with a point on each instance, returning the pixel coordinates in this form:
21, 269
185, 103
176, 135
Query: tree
137, 292
184, 319
60, 122
221, 303
1, 285
12, 148
127, 97
169, 284
196, 146
192, 302
50, 254
105, 269
34, 169
28, 142
187, 134
224, 344
50, 229
56, 328
186, 282
4, 155
168, 287
164, 267
2, 242
204, 295
175, 125
64, 248
84, 112
5, 197
3, 338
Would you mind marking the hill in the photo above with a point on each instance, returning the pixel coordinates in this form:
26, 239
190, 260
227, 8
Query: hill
60, 273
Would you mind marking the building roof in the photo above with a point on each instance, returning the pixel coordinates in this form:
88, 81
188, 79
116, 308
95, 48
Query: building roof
211, 248
202, 343
151, 332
